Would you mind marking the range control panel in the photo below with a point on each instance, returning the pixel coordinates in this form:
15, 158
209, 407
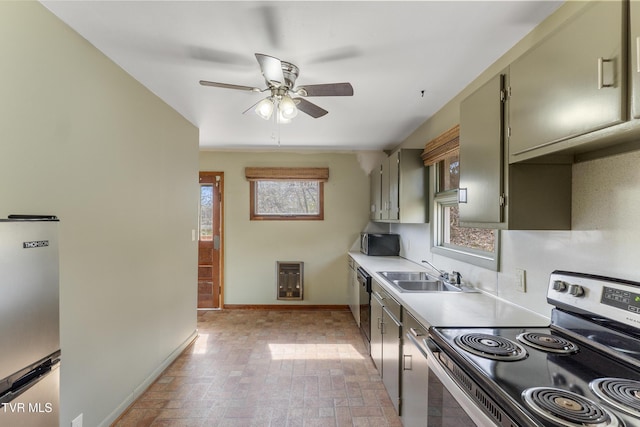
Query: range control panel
615, 299
625, 300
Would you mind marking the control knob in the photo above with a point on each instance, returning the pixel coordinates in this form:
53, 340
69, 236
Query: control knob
559, 285
576, 290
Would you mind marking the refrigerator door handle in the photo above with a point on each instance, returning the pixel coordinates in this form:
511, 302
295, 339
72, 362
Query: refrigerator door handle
27, 380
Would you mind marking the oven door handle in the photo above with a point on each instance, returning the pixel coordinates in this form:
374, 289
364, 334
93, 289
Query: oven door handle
473, 411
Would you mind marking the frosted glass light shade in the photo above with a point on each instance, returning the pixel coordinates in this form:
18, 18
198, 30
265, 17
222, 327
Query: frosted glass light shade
265, 108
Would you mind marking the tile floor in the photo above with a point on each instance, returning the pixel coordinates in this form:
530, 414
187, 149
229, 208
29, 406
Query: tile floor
278, 368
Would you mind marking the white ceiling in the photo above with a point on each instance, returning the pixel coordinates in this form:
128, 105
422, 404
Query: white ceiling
389, 51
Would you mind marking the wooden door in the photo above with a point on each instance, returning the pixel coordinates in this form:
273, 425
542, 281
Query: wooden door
210, 240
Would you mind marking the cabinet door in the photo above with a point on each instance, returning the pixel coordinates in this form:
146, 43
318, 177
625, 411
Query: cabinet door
634, 20
376, 193
391, 358
376, 332
481, 154
415, 378
394, 186
570, 84
385, 189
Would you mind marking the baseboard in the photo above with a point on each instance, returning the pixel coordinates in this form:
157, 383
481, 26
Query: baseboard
142, 387
285, 307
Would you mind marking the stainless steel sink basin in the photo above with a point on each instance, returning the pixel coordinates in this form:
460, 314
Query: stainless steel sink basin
405, 275
425, 286
418, 281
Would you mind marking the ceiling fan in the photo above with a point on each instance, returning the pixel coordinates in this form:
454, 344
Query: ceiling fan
285, 99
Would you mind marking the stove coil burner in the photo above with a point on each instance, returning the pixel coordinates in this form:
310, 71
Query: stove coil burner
491, 347
547, 342
568, 409
620, 393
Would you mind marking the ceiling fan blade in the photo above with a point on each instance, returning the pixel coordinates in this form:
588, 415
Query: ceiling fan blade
230, 86
328, 89
310, 108
271, 69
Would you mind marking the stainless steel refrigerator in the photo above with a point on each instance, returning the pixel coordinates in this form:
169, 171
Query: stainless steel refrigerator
29, 321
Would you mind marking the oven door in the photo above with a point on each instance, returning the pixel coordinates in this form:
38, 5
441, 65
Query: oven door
448, 403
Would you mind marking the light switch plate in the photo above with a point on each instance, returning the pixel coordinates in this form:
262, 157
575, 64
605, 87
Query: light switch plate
521, 280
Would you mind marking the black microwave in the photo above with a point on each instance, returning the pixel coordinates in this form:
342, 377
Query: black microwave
380, 244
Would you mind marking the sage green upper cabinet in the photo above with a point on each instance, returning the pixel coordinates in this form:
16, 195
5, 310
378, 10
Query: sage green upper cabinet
394, 186
494, 194
571, 83
634, 26
385, 189
481, 147
399, 191
376, 193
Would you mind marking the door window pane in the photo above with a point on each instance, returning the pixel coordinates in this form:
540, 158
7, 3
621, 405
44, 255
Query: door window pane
206, 212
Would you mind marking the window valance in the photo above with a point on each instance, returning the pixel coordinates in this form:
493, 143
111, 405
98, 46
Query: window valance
282, 173
442, 146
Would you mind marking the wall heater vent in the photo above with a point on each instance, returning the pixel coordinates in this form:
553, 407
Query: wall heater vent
290, 283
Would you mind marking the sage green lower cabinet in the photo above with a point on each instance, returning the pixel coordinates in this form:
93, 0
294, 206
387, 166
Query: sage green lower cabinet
376, 331
391, 357
496, 194
415, 373
386, 330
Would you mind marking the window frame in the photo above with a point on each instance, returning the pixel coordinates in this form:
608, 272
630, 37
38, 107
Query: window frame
316, 174
253, 216
485, 259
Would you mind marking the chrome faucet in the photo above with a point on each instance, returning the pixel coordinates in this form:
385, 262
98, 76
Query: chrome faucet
443, 274
453, 278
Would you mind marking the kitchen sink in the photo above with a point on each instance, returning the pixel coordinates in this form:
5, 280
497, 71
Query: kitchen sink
425, 286
419, 281
405, 275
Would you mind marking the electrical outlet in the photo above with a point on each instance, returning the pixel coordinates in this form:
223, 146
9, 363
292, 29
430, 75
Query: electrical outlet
521, 280
77, 421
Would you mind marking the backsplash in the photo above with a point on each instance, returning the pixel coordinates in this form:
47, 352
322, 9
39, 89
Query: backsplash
605, 237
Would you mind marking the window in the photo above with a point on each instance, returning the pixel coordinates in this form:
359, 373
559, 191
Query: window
206, 212
476, 246
286, 193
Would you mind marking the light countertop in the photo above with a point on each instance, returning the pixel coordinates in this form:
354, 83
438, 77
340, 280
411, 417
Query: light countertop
449, 309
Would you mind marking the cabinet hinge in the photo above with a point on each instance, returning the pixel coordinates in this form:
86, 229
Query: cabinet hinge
505, 94
503, 199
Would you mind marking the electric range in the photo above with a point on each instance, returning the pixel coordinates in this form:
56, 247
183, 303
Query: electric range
581, 370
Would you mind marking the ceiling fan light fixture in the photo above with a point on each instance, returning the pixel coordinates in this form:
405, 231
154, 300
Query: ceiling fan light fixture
287, 108
264, 108
282, 119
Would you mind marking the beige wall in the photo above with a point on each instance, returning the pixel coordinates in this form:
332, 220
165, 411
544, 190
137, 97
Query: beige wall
253, 247
81, 139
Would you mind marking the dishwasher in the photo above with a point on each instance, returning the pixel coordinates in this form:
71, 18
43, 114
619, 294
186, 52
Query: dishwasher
415, 373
